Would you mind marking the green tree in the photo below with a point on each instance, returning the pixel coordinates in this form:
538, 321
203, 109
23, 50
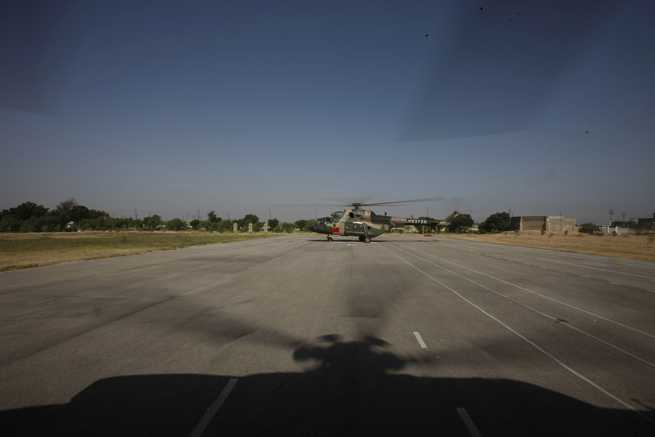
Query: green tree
67, 205
303, 224
176, 225
460, 223
211, 217
498, 222
77, 213
56, 217
195, 224
27, 210
154, 222
272, 223
589, 228
249, 218
122, 223
211, 226
225, 226
9, 224
287, 227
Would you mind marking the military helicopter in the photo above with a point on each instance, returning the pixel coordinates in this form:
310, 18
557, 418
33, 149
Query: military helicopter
365, 224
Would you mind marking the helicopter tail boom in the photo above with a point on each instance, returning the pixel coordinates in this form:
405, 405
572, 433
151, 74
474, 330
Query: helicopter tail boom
402, 221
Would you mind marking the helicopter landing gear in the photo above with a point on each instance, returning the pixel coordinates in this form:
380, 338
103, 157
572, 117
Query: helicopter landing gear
365, 239
329, 238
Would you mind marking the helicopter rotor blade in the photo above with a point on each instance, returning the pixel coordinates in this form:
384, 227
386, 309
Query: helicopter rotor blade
286, 205
404, 201
358, 204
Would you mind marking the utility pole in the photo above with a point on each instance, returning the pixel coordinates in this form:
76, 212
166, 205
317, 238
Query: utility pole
427, 214
611, 213
228, 215
187, 216
136, 216
623, 220
269, 213
198, 214
510, 213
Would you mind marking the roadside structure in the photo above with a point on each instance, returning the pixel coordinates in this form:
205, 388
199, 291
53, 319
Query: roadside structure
548, 223
648, 221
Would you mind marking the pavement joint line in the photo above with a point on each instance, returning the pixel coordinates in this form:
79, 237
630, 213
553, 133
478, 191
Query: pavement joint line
420, 340
586, 277
597, 268
615, 283
568, 325
468, 422
552, 357
559, 271
651, 291
541, 295
211, 411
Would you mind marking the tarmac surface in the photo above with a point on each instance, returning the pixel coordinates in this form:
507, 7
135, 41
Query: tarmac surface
296, 336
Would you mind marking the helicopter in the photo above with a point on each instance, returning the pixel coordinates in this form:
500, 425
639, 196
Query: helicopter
365, 224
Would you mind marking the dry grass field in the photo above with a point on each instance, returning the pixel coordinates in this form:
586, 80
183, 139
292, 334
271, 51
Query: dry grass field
622, 246
20, 251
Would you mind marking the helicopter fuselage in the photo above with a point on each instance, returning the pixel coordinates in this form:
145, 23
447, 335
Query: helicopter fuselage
361, 223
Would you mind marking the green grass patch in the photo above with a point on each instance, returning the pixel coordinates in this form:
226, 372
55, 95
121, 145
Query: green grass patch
19, 251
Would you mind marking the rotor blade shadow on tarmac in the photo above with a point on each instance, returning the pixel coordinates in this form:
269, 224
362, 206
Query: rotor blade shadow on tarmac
354, 390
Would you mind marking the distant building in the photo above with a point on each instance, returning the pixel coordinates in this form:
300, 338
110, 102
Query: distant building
548, 223
646, 221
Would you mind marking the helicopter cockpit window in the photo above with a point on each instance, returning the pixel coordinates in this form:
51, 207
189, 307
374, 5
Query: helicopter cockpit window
351, 215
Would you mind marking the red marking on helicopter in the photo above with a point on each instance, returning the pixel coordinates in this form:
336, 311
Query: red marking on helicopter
335, 229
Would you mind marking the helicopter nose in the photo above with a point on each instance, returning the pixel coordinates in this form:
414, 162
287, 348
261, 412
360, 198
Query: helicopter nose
312, 227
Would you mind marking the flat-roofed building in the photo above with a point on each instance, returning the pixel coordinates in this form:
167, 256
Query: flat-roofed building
548, 223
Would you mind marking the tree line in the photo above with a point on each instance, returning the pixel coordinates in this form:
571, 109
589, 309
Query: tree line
69, 216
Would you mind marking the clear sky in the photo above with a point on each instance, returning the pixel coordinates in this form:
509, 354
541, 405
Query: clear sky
174, 106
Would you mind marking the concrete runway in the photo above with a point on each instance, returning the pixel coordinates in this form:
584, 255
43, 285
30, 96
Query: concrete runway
297, 336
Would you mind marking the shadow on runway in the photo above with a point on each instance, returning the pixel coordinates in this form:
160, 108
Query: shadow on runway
349, 389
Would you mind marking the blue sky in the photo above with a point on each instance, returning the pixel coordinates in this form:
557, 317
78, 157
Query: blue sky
170, 106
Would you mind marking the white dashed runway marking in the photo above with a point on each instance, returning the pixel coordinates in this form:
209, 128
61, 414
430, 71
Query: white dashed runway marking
469, 423
211, 411
420, 340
